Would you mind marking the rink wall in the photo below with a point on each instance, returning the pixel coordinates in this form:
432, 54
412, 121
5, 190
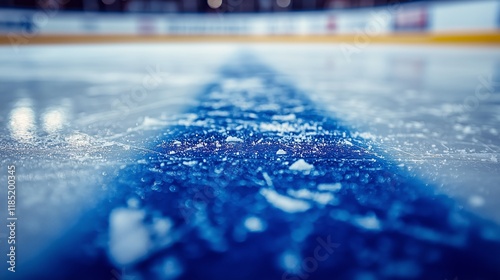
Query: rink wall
433, 22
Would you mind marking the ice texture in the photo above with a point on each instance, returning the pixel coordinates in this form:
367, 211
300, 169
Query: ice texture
157, 191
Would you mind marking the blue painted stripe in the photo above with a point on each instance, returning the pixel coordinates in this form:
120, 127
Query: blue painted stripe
384, 222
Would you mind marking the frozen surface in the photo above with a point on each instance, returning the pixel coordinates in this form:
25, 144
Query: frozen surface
435, 110
253, 162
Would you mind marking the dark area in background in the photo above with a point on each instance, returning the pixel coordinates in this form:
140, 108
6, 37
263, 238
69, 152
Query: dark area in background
196, 6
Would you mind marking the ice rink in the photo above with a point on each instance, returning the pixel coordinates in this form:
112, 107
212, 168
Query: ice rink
253, 161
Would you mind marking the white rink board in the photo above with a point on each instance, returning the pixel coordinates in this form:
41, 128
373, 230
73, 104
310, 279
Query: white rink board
481, 15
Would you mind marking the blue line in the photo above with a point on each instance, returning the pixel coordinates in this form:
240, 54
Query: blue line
386, 223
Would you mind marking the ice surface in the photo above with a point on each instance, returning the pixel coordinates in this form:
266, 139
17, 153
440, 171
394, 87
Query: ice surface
378, 155
435, 109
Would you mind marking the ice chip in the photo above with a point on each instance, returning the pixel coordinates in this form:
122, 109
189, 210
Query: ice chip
254, 224
281, 152
301, 165
369, 222
476, 201
129, 239
330, 187
285, 203
233, 139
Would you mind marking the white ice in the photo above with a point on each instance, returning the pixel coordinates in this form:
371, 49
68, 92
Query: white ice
301, 165
285, 203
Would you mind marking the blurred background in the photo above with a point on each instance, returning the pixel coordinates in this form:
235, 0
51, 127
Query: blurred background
25, 21
199, 6
89, 109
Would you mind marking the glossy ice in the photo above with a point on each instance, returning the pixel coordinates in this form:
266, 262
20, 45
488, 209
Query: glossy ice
253, 162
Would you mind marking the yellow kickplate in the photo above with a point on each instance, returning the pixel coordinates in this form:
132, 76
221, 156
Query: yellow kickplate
489, 38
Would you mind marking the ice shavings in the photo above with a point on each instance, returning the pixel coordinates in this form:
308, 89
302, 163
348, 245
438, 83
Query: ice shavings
290, 261
277, 127
289, 117
217, 113
129, 239
233, 139
267, 178
134, 235
494, 158
321, 198
301, 165
133, 202
161, 229
254, 224
79, 139
190, 163
366, 222
268, 107
369, 222
281, 191
476, 201
283, 202
330, 187
148, 123
365, 135
281, 152
169, 268
346, 142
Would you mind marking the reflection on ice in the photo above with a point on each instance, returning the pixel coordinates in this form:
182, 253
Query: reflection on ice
22, 121
53, 120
